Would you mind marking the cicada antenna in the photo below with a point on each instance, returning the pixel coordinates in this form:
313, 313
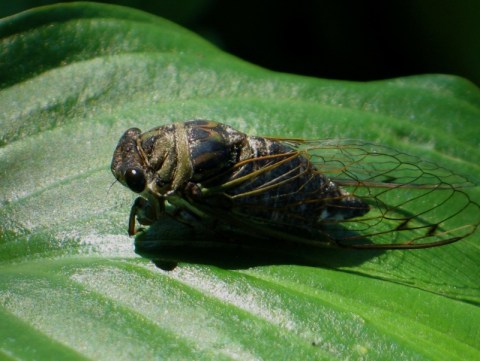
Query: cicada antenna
111, 185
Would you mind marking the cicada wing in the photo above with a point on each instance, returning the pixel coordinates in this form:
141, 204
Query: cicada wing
412, 203
409, 218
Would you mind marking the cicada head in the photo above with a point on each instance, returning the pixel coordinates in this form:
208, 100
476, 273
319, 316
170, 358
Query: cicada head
128, 164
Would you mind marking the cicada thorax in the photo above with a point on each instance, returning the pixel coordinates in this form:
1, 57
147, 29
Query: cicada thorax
213, 148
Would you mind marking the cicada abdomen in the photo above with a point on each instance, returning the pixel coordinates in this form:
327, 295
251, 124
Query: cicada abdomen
327, 193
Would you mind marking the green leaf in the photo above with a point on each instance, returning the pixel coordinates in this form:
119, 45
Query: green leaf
74, 77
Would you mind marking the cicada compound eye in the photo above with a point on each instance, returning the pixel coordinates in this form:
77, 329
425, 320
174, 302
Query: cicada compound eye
135, 179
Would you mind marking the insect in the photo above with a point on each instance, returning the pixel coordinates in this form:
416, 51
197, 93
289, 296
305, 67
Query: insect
330, 193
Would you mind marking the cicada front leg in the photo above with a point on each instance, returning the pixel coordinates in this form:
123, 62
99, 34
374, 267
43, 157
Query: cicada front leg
144, 212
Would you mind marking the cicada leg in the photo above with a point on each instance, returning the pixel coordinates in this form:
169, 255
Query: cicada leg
144, 212
187, 208
192, 191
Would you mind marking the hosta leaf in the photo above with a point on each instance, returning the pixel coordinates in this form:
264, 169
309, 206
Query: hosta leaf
74, 77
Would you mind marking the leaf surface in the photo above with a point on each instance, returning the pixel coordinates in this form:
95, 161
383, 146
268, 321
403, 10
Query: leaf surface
75, 76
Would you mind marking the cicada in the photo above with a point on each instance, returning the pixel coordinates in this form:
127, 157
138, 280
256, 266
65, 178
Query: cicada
328, 193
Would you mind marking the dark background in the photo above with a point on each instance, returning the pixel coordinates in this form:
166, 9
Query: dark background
341, 39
